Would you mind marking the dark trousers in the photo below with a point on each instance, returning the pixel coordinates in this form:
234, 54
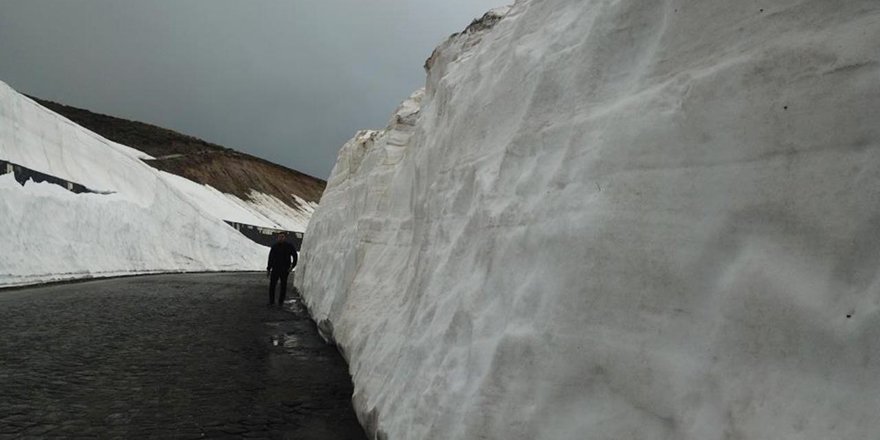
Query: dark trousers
273, 279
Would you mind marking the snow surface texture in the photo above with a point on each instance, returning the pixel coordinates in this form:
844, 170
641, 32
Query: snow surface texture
261, 210
618, 220
150, 221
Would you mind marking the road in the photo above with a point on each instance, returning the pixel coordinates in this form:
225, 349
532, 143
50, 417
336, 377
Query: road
167, 356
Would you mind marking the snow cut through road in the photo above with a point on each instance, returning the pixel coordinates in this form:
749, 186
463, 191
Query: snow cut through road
167, 356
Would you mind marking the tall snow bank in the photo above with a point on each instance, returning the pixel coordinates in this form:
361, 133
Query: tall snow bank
618, 220
146, 224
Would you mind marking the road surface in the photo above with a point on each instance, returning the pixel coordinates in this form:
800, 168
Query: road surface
167, 356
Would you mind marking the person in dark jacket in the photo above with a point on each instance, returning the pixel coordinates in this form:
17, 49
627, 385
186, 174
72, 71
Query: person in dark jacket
282, 259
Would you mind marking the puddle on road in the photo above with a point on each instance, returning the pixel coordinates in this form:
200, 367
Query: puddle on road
286, 340
293, 335
295, 306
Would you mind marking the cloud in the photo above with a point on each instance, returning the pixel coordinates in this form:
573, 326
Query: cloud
286, 80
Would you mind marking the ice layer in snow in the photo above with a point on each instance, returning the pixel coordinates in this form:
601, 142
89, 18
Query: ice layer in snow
150, 221
617, 220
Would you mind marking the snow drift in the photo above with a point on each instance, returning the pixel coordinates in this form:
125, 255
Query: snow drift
617, 220
144, 220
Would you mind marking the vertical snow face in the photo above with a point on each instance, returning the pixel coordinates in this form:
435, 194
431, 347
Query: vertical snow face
618, 220
146, 222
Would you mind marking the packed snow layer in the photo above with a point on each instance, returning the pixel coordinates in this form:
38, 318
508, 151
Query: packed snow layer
259, 210
50, 234
40, 139
280, 213
148, 222
618, 220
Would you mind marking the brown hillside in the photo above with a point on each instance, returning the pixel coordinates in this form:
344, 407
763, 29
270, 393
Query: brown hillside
225, 169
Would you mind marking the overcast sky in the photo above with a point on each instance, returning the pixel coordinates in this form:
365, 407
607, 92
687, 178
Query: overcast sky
289, 80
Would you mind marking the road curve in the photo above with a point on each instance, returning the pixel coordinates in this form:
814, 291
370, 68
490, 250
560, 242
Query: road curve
167, 356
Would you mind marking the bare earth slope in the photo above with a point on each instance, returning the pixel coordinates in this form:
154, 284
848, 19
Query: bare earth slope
225, 169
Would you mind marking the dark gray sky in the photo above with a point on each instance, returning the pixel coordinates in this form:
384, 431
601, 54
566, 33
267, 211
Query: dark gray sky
289, 81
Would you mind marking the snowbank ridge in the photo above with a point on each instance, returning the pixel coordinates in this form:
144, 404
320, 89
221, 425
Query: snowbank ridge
147, 221
618, 220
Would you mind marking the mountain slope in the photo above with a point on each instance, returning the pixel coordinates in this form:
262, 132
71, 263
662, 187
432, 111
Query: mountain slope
617, 220
227, 170
139, 220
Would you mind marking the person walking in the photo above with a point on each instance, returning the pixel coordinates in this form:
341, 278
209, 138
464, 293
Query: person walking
282, 259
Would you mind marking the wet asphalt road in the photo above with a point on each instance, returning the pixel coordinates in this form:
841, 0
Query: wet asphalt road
167, 356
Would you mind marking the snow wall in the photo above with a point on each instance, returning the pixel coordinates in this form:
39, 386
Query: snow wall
617, 220
147, 221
